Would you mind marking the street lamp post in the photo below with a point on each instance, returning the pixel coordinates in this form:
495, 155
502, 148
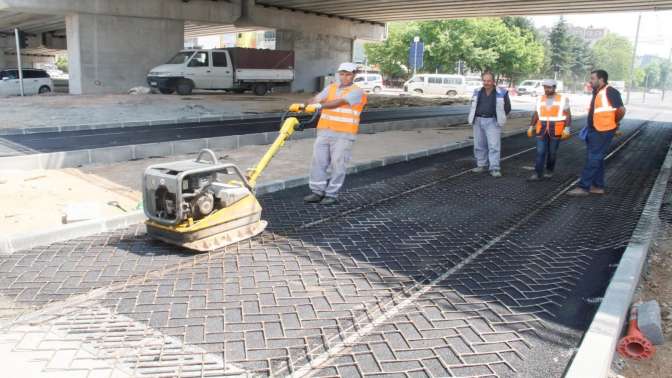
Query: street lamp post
632, 66
18, 60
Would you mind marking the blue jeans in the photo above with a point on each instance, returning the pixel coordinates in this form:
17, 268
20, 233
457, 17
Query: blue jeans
597, 144
547, 149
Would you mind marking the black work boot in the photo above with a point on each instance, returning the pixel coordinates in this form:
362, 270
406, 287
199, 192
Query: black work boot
313, 198
328, 200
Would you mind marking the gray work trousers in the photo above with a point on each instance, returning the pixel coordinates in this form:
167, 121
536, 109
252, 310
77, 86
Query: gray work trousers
487, 142
330, 162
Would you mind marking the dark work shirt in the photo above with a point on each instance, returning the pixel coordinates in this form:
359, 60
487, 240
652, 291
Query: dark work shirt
614, 97
487, 105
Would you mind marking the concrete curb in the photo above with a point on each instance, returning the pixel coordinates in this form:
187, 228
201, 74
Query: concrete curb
107, 155
14, 243
596, 352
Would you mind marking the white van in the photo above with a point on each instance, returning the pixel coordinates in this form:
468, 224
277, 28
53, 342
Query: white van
34, 82
473, 83
437, 84
369, 81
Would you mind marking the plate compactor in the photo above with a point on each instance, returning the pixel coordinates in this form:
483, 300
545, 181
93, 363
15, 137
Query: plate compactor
203, 204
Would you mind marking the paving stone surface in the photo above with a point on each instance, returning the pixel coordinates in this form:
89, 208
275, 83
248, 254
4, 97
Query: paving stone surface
422, 269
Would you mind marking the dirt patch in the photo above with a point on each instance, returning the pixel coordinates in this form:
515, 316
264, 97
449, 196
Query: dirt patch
35, 200
656, 284
66, 110
388, 101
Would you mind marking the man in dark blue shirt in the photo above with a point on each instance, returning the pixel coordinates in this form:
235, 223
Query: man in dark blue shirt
605, 113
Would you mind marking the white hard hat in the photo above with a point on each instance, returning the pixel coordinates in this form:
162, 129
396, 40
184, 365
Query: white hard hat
549, 83
347, 66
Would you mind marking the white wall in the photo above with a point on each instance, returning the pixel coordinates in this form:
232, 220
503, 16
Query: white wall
314, 55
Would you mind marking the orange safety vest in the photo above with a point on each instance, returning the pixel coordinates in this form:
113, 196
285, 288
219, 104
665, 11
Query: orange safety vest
552, 116
345, 118
604, 115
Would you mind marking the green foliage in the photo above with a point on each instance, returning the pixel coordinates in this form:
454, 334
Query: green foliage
560, 47
665, 77
613, 53
508, 48
62, 63
651, 75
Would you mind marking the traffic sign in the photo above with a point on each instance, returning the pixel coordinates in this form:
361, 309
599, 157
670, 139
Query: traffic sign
415, 54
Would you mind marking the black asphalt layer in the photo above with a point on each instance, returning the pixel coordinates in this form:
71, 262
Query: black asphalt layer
87, 139
424, 268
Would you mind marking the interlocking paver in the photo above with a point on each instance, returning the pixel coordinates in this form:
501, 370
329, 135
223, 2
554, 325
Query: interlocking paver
272, 304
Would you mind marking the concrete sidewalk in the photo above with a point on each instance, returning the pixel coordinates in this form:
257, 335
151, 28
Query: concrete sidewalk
121, 182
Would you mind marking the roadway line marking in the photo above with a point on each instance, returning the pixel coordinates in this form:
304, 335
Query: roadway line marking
382, 314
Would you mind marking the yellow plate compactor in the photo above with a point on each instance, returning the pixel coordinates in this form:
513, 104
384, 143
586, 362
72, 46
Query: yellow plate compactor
203, 204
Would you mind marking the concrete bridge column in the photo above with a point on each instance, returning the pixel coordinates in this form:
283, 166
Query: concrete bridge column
111, 54
315, 55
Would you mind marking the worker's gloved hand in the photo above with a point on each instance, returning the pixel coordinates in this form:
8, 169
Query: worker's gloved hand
530, 132
618, 133
566, 134
295, 108
312, 108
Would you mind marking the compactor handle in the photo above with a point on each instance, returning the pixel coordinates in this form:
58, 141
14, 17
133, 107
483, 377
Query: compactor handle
209, 152
297, 110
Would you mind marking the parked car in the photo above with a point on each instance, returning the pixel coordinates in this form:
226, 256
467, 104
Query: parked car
534, 88
618, 84
369, 81
235, 69
437, 84
34, 82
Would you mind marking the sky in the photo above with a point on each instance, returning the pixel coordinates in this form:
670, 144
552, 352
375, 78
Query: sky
655, 33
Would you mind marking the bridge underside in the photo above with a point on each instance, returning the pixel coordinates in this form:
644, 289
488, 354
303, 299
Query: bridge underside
395, 10
109, 54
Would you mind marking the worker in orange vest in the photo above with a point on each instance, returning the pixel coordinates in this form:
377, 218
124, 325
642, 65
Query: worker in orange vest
605, 112
341, 104
550, 123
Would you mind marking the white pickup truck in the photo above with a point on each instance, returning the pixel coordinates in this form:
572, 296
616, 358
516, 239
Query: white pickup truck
235, 69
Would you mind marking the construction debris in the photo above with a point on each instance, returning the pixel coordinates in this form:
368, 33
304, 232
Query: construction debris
139, 91
650, 322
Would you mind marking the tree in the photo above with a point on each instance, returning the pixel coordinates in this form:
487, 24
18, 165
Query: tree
665, 71
651, 75
638, 77
391, 55
512, 52
481, 43
560, 47
522, 23
62, 63
613, 54
580, 64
